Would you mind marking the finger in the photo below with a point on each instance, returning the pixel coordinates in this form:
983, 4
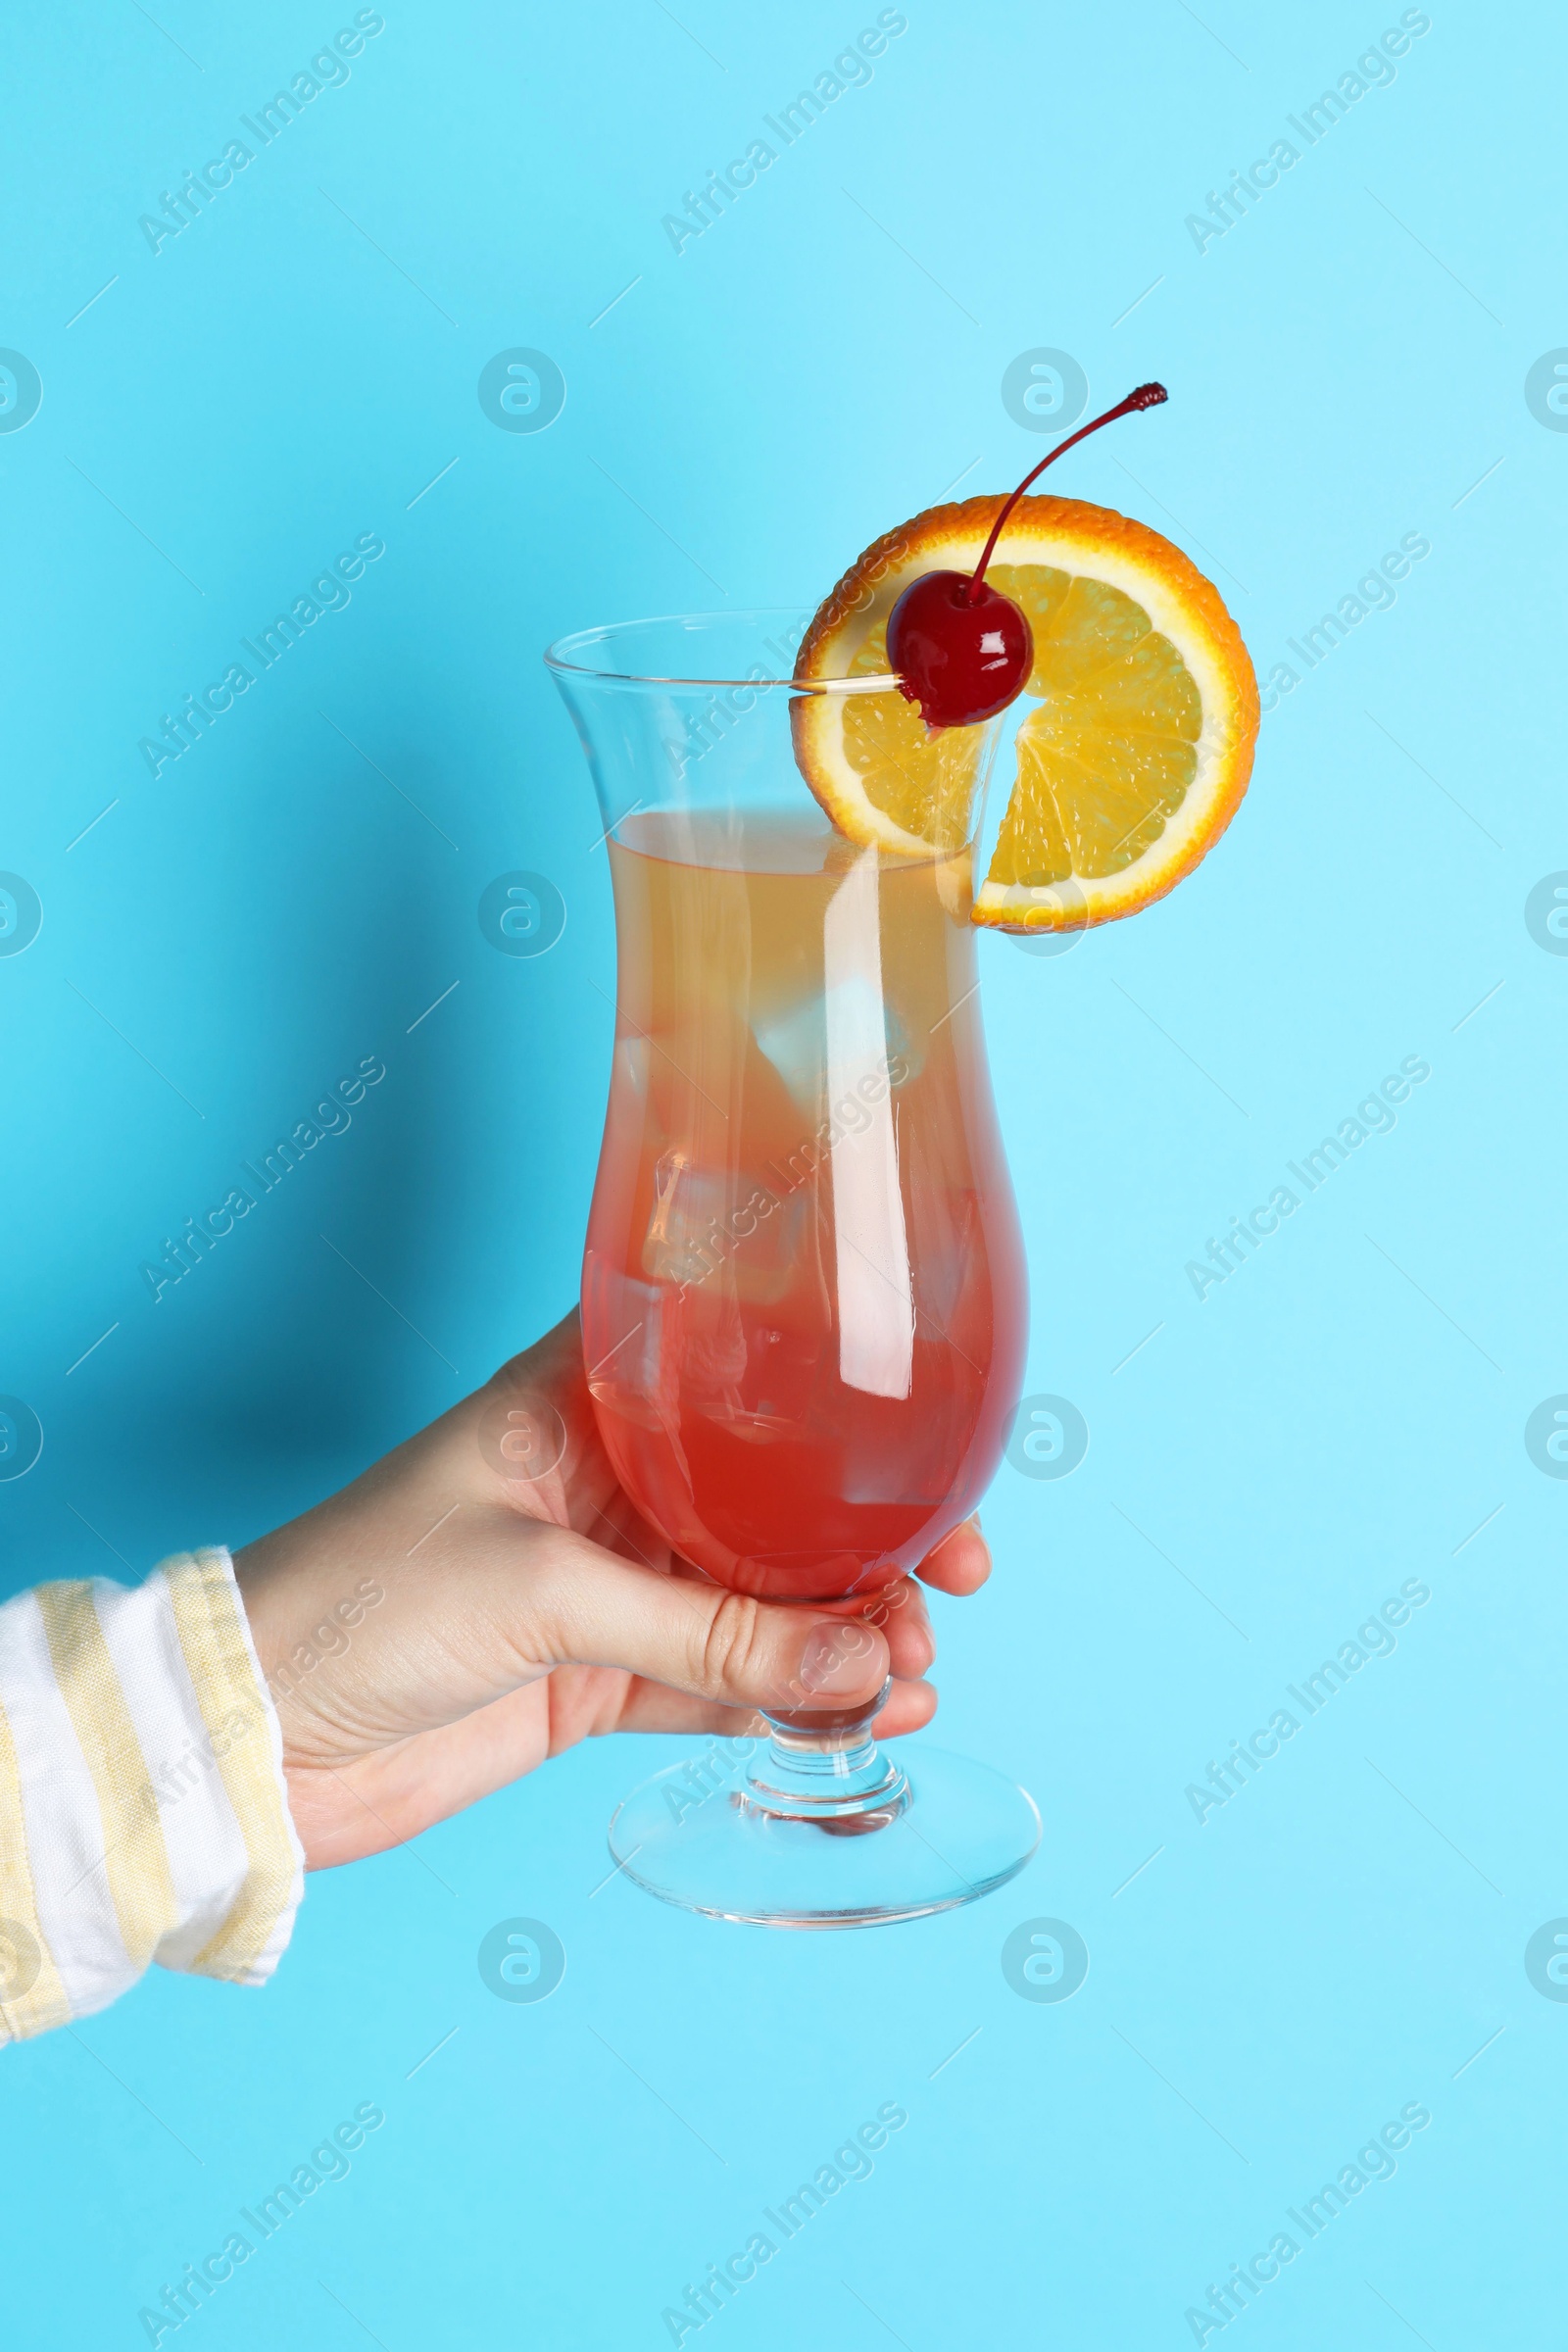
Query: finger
910, 1708
960, 1562
900, 1616
593, 1610
554, 1361
534, 1425
654, 1707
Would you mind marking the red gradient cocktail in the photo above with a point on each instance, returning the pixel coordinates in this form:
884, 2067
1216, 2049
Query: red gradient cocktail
803, 1291
803, 1288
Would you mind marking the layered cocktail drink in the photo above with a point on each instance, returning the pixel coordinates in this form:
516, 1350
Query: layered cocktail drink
802, 1296
804, 1291
804, 1299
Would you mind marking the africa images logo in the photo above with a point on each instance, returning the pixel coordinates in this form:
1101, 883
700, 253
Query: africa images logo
1377, 2161
850, 70
1373, 69
1373, 1116
327, 69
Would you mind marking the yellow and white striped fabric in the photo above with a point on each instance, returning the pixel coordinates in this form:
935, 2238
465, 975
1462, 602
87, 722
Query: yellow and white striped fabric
143, 1810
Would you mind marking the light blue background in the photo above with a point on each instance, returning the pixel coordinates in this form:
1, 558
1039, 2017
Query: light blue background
292, 370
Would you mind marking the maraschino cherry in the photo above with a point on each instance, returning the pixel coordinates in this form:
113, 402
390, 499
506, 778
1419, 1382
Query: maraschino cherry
961, 648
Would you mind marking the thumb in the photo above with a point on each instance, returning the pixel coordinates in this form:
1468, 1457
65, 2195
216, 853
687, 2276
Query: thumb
593, 1610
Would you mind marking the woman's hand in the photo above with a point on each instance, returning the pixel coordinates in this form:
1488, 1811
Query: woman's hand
447, 1622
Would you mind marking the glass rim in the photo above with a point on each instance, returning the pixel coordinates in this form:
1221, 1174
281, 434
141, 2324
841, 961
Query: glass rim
559, 656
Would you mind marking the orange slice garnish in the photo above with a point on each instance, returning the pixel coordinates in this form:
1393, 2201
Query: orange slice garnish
1140, 713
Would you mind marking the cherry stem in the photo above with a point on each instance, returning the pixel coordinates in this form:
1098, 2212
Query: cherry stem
1147, 395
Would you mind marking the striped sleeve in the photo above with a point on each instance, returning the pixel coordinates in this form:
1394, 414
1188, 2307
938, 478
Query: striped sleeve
143, 1813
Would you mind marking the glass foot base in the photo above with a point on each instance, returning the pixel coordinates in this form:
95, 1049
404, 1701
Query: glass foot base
912, 1830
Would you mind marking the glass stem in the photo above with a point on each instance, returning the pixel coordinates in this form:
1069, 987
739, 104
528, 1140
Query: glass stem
836, 1775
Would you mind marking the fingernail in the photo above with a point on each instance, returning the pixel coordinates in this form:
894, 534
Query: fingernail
837, 1657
